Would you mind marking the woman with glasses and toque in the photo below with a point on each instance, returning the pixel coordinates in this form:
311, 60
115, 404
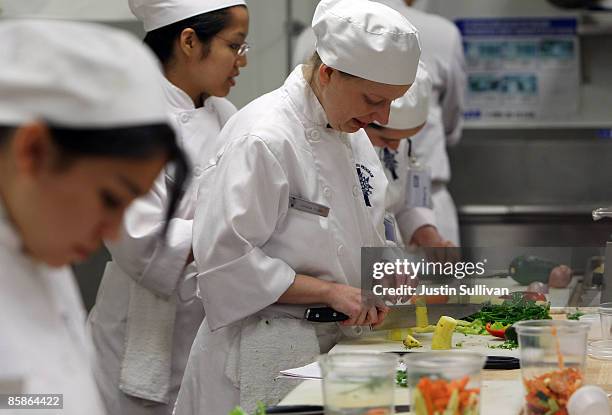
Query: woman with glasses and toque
147, 312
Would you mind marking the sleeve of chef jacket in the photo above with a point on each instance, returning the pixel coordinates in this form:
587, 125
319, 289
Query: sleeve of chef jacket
240, 201
411, 219
452, 99
141, 253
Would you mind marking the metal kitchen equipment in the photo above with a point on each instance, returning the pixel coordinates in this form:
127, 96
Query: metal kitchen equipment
606, 288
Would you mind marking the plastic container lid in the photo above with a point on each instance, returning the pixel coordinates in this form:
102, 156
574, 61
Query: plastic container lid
591, 400
600, 349
605, 308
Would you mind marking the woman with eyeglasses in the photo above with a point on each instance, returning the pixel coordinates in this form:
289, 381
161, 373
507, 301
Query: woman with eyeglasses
147, 311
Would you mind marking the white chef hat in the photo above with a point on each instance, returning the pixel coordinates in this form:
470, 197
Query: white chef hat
159, 13
411, 110
77, 75
367, 39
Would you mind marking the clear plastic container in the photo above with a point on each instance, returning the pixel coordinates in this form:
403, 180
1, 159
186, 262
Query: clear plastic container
605, 314
444, 382
594, 320
600, 349
359, 383
553, 354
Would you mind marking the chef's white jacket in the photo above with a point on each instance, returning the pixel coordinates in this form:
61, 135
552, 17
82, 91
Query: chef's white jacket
249, 244
43, 345
141, 256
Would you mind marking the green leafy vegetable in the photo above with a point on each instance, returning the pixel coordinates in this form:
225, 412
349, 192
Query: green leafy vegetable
510, 311
474, 327
401, 379
260, 410
508, 344
576, 315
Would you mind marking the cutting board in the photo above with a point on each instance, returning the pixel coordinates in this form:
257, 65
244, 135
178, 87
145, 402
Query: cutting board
377, 342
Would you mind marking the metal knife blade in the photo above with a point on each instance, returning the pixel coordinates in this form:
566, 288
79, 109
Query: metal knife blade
403, 316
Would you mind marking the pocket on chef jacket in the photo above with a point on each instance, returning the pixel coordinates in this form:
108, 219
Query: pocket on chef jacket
302, 240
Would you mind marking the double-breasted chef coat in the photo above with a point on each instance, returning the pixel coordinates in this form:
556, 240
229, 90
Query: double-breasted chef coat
43, 345
249, 244
160, 268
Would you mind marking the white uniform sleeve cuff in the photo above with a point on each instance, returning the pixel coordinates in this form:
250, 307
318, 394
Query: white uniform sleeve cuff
243, 287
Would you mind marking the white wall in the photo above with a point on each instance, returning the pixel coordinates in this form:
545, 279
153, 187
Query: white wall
267, 68
98, 10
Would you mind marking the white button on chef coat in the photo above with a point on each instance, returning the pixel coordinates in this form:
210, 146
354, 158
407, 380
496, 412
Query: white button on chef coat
160, 269
43, 345
249, 244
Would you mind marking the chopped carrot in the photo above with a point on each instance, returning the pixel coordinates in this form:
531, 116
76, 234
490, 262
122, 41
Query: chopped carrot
437, 395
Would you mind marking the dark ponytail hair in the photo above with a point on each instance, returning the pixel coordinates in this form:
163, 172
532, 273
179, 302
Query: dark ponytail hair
136, 143
206, 26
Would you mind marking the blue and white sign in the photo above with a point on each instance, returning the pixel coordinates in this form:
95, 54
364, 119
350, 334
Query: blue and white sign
521, 68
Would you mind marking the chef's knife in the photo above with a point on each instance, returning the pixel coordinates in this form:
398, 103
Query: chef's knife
314, 409
404, 316
324, 315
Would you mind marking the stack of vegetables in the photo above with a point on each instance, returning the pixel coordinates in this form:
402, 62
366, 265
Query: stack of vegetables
443, 397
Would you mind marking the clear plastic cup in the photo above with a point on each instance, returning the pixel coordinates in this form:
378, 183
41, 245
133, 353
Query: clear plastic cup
359, 383
444, 382
594, 320
553, 354
605, 314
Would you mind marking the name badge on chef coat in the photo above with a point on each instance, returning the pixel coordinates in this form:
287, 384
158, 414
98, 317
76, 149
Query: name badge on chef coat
307, 206
418, 187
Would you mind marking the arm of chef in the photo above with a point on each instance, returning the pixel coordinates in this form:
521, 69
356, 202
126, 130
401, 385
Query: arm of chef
142, 254
240, 201
410, 219
452, 98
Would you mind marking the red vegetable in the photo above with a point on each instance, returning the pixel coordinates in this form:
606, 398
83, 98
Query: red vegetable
496, 332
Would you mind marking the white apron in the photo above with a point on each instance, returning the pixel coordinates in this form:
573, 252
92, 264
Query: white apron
249, 244
147, 314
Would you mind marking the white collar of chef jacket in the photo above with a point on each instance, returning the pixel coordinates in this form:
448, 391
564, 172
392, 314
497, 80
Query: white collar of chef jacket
307, 106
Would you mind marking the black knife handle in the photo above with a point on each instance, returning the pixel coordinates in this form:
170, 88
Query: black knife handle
313, 409
324, 315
